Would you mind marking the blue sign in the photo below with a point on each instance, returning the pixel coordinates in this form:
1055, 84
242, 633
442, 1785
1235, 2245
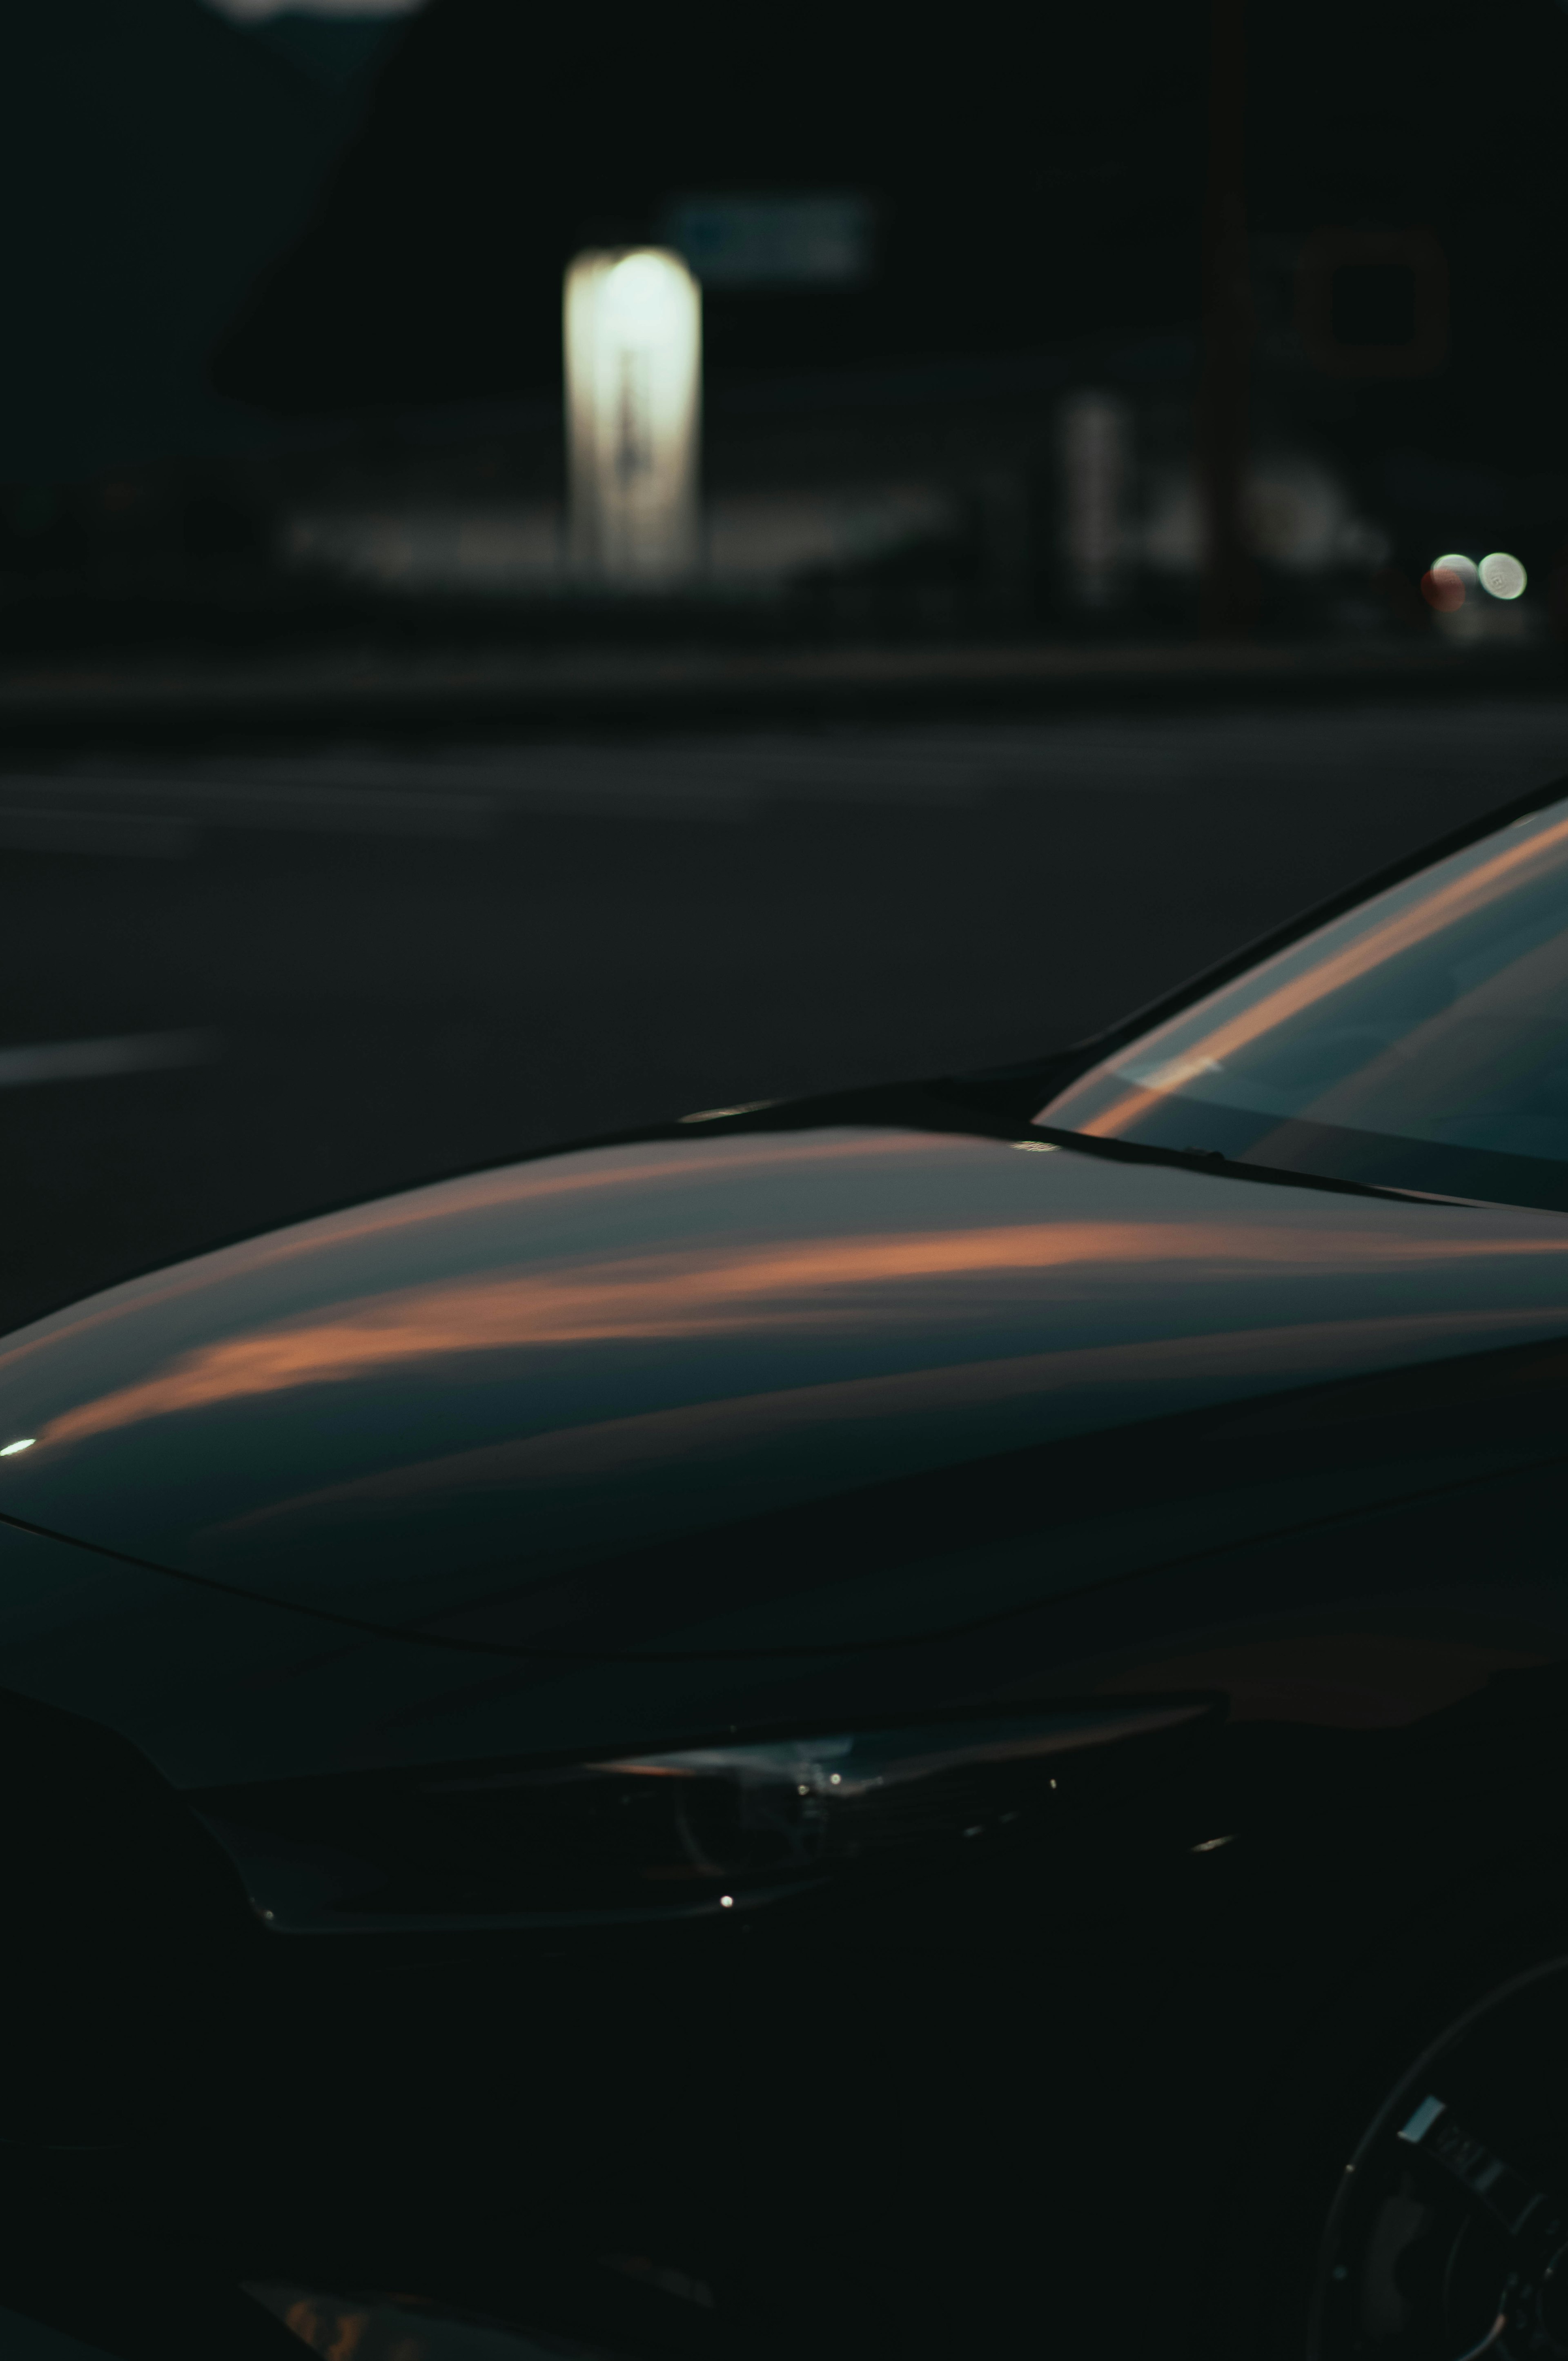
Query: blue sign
817, 239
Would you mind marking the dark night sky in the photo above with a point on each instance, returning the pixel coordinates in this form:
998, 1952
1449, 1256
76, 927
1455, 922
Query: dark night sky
154, 159
185, 223
1010, 156
1041, 173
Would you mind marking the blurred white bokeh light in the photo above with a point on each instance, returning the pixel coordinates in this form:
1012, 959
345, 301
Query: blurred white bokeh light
1095, 433
1503, 575
633, 347
1454, 563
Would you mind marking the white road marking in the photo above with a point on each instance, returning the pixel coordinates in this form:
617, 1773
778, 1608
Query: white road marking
120, 1053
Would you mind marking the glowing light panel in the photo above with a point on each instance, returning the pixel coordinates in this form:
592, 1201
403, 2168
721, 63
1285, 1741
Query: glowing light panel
1096, 467
633, 347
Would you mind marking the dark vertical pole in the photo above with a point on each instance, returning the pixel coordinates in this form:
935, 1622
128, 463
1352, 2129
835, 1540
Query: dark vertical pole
1229, 582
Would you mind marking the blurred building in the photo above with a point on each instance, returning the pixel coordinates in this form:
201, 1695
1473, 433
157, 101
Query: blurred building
306, 373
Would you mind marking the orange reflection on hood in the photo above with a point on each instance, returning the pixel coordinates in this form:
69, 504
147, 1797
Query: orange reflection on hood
699, 1433
566, 1175
820, 1283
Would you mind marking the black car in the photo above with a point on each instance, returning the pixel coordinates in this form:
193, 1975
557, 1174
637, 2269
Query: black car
931, 1721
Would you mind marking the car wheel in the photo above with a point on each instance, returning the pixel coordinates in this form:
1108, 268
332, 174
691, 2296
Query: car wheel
1408, 2195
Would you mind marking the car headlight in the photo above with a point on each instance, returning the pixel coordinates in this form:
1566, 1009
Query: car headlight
725, 1824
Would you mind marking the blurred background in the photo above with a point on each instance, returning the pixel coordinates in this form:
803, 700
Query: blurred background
1127, 499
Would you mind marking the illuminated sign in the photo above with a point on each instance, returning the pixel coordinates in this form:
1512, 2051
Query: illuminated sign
633, 351
821, 240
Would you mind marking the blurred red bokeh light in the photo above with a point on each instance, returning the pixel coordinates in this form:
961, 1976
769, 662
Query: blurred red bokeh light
1442, 589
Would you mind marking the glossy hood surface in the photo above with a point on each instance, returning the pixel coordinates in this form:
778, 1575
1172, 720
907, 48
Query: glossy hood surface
693, 1396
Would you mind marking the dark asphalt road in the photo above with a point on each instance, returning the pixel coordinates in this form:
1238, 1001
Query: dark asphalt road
413, 962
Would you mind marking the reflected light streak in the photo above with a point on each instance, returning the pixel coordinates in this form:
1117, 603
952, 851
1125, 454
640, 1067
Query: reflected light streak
694, 1432
595, 1170
661, 1299
1461, 898
1347, 1680
1437, 1056
717, 1114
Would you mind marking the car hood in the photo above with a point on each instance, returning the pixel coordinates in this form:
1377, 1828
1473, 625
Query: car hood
479, 1407
657, 1436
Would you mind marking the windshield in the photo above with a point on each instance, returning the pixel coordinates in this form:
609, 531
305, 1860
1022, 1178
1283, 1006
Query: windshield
1419, 1042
